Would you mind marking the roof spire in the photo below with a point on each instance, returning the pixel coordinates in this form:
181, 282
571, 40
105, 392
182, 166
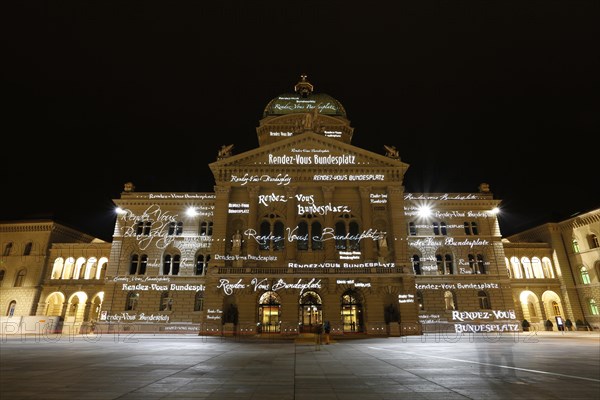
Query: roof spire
303, 87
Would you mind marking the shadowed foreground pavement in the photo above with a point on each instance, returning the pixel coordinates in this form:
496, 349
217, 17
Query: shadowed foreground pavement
530, 365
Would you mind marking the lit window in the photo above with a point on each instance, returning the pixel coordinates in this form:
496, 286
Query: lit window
593, 307
585, 276
450, 300
575, 246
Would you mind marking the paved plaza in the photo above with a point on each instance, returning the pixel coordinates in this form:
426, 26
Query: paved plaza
529, 365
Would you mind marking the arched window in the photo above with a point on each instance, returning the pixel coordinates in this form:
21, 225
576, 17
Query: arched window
143, 228
593, 241
278, 229
167, 260
132, 301
340, 233
206, 228
575, 246
547, 266
585, 276
508, 269
11, 308
302, 240
472, 264
527, 267
7, 249
480, 264
436, 228
27, 249
593, 307
538, 271
450, 300
346, 233
175, 228
315, 236
416, 262
471, 228
271, 233
20, 277
199, 301
444, 264
484, 300
516, 266
201, 264
138, 264
171, 264
166, 302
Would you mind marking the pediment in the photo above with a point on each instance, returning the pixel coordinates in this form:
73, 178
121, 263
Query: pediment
308, 150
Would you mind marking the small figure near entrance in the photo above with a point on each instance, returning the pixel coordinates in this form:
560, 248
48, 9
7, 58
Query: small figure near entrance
327, 330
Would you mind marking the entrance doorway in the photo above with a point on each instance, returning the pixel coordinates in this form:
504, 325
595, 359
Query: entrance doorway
269, 313
311, 312
352, 312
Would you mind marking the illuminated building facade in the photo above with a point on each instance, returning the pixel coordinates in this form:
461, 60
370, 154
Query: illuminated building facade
308, 228
555, 271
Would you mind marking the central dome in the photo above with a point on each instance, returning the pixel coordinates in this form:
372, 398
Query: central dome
304, 101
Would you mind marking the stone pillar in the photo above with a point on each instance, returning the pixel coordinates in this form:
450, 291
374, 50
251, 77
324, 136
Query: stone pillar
220, 239
397, 228
367, 222
291, 246
251, 244
329, 223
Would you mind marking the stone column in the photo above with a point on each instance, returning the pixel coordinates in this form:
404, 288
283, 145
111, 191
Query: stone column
329, 223
290, 247
367, 222
220, 218
397, 228
251, 244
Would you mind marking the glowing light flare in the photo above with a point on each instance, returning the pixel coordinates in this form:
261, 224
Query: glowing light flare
424, 211
191, 212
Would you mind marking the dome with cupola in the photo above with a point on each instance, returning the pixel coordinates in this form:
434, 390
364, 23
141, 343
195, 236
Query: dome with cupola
304, 100
292, 114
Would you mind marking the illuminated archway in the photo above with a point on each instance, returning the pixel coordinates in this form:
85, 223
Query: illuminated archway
269, 313
76, 307
310, 311
552, 305
54, 304
352, 315
530, 305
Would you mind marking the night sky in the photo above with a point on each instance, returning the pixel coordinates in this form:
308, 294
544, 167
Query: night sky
102, 93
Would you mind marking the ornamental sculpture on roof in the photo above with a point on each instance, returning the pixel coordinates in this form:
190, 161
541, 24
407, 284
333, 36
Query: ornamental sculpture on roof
225, 151
391, 151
